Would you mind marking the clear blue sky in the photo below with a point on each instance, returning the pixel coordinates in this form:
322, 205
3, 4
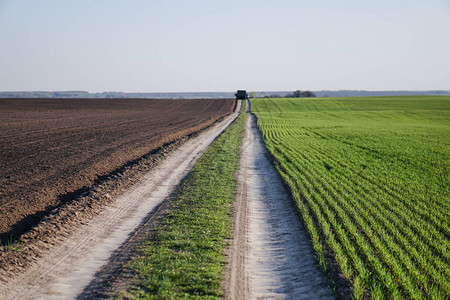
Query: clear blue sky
264, 45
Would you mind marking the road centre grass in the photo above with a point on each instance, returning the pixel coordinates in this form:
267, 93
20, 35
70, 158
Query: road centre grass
370, 178
186, 257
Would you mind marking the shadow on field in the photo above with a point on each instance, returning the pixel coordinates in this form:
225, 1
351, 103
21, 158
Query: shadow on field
32, 220
28, 222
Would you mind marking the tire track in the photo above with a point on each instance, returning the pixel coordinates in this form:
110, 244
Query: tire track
271, 253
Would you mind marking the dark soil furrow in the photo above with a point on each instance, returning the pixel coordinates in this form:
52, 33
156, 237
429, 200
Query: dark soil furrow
52, 147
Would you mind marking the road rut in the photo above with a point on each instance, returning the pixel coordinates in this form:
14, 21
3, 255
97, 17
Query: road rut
271, 256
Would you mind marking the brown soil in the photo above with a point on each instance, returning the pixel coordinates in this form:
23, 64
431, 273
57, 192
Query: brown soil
59, 256
53, 150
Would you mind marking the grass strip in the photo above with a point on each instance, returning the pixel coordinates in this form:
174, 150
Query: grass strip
186, 257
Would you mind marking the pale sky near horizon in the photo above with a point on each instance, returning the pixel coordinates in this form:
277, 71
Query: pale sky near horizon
195, 46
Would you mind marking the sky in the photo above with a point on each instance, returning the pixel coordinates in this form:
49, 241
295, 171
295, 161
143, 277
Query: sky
222, 46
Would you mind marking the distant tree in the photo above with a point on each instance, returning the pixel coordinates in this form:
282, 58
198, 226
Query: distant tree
308, 94
297, 94
300, 94
253, 95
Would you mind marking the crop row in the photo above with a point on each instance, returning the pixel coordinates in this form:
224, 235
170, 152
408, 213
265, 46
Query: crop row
371, 183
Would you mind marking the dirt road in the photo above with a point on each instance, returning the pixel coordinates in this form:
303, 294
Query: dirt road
271, 256
62, 271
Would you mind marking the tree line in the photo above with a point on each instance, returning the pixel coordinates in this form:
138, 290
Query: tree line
295, 94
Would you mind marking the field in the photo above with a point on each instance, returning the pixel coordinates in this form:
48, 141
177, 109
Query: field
51, 149
370, 177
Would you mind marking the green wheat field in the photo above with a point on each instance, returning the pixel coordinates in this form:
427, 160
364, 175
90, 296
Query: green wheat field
370, 177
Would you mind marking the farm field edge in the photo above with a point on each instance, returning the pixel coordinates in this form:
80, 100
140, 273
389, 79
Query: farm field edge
185, 258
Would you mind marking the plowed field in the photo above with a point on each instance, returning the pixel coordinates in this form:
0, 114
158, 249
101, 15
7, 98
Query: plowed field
51, 149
